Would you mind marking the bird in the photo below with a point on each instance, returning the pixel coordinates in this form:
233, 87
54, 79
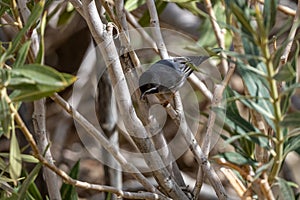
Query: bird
168, 75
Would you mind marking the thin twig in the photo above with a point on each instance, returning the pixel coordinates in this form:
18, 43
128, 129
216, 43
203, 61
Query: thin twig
291, 36
104, 142
39, 122
206, 145
131, 195
101, 188
120, 11
220, 36
199, 155
23, 127
154, 21
282, 8
201, 86
217, 98
198, 183
266, 189
131, 19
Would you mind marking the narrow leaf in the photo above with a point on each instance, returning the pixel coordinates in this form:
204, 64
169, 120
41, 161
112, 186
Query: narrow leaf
286, 73
292, 144
236, 158
34, 81
28, 181
40, 55
68, 192
291, 120
5, 114
24, 157
15, 163
269, 14
22, 55
286, 191
242, 18
291, 83
257, 86
131, 5
41, 74
32, 19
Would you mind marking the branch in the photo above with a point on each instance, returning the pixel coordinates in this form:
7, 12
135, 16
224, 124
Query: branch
291, 36
156, 30
131, 195
101, 188
198, 153
39, 124
217, 98
201, 86
131, 19
104, 142
220, 36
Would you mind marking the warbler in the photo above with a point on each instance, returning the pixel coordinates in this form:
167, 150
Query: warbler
168, 75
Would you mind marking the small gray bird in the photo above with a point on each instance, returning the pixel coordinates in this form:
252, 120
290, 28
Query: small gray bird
168, 75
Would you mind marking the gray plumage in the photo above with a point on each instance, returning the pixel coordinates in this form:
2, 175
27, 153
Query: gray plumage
168, 75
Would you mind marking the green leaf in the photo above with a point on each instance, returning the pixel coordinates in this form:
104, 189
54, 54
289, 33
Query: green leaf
24, 157
257, 86
5, 114
41, 74
22, 55
131, 5
286, 73
292, 144
291, 120
263, 168
15, 161
191, 5
66, 15
32, 19
286, 191
29, 181
68, 192
29, 158
5, 76
3, 165
269, 14
290, 83
238, 124
242, 18
4, 6
33, 190
290, 88
41, 52
35, 81
236, 158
